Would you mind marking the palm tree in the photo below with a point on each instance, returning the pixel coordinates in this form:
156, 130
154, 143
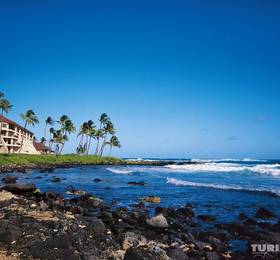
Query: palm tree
67, 127
49, 121
114, 142
82, 133
90, 133
30, 118
104, 119
98, 135
87, 132
108, 129
43, 140
58, 139
5, 106
52, 131
62, 121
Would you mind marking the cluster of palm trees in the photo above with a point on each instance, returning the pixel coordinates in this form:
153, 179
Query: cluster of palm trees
88, 132
104, 135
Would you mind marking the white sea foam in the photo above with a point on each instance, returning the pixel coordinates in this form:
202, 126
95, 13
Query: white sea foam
220, 186
207, 167
119, 171
228, 160
270, 169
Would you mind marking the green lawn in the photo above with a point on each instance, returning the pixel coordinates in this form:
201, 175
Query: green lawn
23, 159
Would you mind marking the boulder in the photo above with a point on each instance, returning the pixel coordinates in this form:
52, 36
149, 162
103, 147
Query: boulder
133, 254
9, 179
72, 191
207, 218
158, 221
133, 240
177, 254
19, 189
56, 179
264, 213
242, 216
43, 206
167, 212
212, 256
151, 199
98, 226
135, 183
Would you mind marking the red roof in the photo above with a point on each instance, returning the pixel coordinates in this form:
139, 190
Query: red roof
41, 147
10, 122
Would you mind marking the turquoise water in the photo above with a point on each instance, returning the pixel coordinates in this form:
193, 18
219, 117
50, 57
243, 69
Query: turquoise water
223, 188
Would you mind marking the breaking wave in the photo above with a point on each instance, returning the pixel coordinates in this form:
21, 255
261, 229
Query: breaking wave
221, 186
119, 171
228, 160
270, 169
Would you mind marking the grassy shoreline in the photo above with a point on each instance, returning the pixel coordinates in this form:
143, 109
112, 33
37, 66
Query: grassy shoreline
49, 160
10, 162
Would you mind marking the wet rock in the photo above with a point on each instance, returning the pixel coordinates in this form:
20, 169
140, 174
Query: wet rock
167, 212
157, 253
139, 205
177, 254
212, 256
185, 212
151, 199
158, 221
98, 226
9, 233
133, 240
72, 191
207, 218
97, 180
133, 254
139, 183
242, 216
264, 213
141, 253
217, 244
43, 206
56, 179
9, 179
107, 217
19, 188
250, 221
200, 245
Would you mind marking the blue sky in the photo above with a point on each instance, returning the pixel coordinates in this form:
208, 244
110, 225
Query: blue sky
178, 78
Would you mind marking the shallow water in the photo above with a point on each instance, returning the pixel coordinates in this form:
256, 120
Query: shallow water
222, 188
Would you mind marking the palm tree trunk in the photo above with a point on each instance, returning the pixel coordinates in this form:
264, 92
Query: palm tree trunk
102, 147
45, 132
97, 146
50, 137
110, 150
61, 148
81, 141
89, 143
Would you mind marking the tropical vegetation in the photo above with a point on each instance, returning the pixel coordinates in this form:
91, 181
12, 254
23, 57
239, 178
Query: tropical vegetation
91, 139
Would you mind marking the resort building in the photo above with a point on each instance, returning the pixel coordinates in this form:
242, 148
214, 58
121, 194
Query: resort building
15, 138
42, 148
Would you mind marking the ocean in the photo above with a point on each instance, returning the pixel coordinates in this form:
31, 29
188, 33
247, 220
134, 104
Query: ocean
223, 188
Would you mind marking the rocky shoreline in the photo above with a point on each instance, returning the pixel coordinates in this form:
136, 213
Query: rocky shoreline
45, 225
